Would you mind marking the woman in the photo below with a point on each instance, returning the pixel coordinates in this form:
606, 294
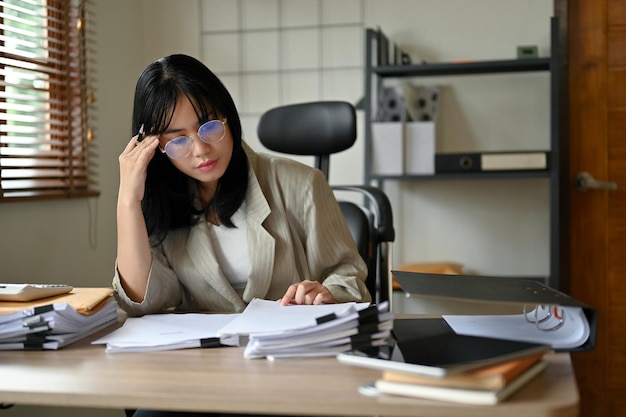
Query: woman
205, 223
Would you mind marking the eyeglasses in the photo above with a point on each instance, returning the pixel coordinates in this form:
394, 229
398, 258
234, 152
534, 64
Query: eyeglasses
210, 133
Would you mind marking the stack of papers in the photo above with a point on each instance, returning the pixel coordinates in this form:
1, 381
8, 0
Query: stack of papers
266, 328
158, 332
274, 331
55, 322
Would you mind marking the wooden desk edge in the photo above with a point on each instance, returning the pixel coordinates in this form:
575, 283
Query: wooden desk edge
58, 375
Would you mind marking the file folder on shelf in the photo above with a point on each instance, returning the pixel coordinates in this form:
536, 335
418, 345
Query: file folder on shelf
546, 315
491, 161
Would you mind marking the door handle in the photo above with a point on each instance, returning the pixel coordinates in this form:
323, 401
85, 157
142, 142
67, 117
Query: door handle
585, 181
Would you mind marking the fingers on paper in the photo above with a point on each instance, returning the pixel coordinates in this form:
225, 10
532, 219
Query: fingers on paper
307, 292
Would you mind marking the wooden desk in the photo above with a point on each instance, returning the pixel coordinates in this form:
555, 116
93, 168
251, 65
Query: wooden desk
221, 380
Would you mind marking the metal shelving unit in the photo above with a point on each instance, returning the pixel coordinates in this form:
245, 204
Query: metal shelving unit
556, 172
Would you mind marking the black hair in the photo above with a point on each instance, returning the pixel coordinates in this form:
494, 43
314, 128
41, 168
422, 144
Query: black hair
170, 198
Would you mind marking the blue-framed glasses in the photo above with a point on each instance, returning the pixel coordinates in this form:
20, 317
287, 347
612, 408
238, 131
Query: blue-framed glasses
210, 132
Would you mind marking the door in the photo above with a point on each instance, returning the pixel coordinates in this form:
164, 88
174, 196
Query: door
597, 217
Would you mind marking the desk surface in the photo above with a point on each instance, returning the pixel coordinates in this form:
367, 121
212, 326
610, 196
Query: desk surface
221, 380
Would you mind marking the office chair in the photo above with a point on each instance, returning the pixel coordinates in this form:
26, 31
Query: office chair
320, 129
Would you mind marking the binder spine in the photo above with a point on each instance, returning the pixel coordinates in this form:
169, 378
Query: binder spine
457, 162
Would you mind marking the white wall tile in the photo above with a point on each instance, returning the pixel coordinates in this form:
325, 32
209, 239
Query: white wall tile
299, 87
260, 51
345, 85
297, 13
233, 85
342, 46
220, 51
219, 15
259, 14
342, 12
260, 92
301, 48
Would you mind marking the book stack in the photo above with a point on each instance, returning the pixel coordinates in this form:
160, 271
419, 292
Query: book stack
484, 386
55, 322
429, 360
272, 331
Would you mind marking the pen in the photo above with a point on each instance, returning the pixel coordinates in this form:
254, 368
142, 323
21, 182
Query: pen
139, 135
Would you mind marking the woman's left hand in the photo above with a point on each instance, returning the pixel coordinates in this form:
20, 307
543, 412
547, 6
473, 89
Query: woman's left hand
307, 292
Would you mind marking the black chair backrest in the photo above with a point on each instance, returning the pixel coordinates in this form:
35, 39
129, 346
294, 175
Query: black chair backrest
317, 128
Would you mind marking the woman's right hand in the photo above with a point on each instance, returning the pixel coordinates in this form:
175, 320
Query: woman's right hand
133, 247
134, 166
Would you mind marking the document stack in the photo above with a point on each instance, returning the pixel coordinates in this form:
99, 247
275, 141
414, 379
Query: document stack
273, 331
55, 322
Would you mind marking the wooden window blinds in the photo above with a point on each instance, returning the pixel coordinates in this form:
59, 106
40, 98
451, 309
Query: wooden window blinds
45, 98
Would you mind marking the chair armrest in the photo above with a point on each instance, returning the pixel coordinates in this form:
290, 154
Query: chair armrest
381, 204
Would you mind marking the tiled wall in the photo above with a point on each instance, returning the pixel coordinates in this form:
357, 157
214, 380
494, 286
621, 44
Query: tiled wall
274, 52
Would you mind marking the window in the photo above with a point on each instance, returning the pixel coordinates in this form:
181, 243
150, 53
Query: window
45, 98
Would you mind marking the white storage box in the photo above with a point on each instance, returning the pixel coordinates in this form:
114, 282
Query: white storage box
419, 157
387, 148
403, 148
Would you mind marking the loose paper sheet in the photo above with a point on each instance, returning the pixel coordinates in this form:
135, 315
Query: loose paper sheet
574, 331
163, 331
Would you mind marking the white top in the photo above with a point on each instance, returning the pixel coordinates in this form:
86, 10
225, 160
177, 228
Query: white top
231, 249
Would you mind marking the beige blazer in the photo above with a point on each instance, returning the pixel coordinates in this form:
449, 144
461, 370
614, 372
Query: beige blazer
296, 232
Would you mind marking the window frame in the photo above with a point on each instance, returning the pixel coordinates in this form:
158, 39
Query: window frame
56, 161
